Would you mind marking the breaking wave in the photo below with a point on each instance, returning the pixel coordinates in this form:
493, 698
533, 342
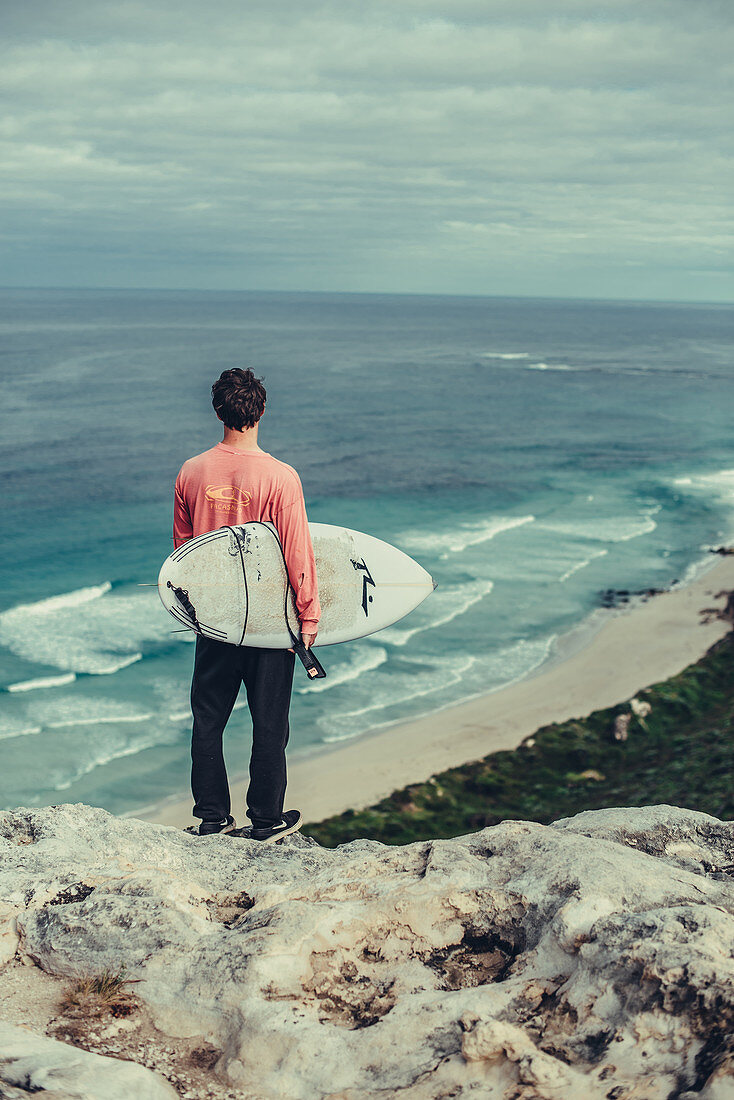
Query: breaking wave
614, 529
548, 366
460, 538
366, 660
581, 565
446, 604
505, 355
43, 682
91, 630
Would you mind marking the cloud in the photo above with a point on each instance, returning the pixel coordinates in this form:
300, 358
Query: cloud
369, 146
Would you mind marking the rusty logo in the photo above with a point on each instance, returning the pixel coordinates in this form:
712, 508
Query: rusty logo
227, 498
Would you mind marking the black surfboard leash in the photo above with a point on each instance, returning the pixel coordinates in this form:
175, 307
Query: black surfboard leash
314, 668
183, 598
238, 539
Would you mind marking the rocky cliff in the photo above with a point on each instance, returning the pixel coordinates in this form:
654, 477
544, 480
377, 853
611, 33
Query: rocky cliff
589, 958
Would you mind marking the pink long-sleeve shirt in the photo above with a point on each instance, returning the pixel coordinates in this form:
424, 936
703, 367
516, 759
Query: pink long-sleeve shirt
223, 486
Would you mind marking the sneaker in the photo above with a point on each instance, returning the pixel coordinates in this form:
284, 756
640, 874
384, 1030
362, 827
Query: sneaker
226, 826
292, 821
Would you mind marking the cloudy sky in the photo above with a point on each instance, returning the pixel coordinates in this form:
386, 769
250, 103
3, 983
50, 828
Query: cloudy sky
522, 147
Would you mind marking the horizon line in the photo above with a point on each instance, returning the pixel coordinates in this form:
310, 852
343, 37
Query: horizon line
375, 294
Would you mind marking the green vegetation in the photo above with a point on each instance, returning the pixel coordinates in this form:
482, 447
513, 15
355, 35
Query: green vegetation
681, 753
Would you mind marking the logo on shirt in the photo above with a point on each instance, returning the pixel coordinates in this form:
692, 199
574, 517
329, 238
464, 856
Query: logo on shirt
227, 498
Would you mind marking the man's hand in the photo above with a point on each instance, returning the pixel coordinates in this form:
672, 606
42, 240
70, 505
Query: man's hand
308, 640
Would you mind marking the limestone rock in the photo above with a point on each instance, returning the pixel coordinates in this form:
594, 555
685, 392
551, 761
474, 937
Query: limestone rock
590, 958
42, 1066
640, 707
621, 726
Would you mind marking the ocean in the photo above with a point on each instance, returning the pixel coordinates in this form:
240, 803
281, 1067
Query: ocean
529, 453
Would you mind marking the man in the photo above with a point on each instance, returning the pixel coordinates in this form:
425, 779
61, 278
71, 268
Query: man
232, 483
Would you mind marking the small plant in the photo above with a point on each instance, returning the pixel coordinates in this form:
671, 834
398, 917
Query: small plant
99, 995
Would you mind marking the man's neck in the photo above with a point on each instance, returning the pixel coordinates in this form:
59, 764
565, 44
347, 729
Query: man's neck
246, 440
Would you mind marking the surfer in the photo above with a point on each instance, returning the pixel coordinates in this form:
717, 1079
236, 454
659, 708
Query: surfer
232, 483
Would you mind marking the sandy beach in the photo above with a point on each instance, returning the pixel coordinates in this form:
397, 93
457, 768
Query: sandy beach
631, 649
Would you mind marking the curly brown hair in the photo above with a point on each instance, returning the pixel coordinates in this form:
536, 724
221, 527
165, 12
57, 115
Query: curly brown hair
238, 398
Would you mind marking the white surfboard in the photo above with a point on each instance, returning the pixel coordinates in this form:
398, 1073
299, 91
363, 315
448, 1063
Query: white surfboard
232, 585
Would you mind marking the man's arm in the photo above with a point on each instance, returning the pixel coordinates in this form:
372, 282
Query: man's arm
295, 538
183, 528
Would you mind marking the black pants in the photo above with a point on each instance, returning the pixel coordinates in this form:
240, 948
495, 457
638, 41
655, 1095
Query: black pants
219, 670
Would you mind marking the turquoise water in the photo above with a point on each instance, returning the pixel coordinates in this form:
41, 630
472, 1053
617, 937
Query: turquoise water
529, 454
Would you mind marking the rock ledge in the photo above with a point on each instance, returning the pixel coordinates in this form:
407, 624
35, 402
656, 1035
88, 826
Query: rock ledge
589, 958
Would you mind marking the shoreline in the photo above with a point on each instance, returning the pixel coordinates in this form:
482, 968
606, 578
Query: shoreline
599, 665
